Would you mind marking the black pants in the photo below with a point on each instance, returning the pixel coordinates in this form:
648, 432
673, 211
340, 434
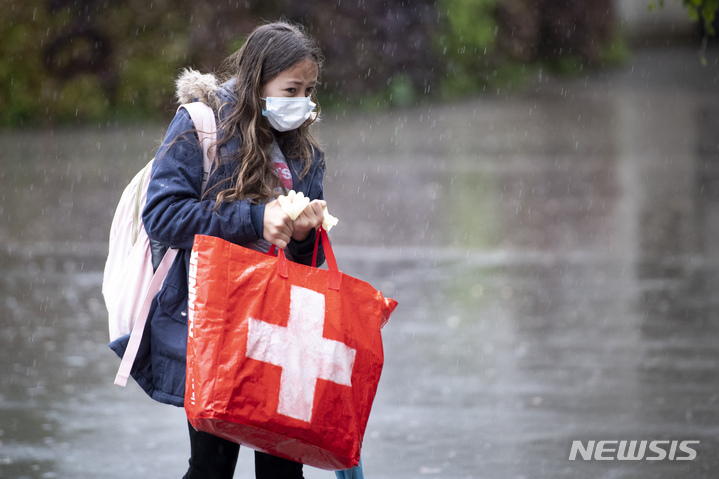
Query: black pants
212, 457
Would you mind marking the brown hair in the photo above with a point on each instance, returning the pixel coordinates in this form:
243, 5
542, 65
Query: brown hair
269, 50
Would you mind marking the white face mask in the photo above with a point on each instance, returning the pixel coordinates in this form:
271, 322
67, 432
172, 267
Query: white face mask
287, 114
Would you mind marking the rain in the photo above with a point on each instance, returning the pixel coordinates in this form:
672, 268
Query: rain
551, 247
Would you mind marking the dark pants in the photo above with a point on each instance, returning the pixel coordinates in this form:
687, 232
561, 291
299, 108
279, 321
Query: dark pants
212, 457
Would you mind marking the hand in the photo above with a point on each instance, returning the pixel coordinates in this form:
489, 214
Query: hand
310, 218
277, 227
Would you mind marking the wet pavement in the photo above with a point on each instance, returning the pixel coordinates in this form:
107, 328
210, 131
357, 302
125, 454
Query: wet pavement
553, 252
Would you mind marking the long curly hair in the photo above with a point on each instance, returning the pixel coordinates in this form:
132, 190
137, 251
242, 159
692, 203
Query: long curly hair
269, 50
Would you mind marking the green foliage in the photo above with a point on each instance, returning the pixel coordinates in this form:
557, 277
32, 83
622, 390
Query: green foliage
465, 41
69, 63
700, 11
703, 11
21, 65
615, 52
79, 61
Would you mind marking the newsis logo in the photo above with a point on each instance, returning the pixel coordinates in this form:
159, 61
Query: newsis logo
633, 450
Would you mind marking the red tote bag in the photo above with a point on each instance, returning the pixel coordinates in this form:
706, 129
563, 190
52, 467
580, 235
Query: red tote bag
282, 357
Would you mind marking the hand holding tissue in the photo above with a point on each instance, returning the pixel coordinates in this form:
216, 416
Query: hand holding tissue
295, 203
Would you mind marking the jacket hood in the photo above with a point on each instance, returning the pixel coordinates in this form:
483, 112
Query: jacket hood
192, 85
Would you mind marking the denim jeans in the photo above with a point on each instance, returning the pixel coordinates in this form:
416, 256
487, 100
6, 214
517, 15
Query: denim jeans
354, 473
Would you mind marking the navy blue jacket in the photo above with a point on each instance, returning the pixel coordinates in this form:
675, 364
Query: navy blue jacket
173, 215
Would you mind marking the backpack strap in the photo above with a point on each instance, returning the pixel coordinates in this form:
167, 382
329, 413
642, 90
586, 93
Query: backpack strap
133, 344
204, 119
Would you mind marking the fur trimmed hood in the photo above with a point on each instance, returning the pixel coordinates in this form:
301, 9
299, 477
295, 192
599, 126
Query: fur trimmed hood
192, 85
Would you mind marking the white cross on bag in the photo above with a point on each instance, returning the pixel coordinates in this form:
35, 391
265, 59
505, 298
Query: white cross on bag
302, 352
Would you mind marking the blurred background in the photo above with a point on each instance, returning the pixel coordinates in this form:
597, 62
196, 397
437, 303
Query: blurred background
535, 181
74, 61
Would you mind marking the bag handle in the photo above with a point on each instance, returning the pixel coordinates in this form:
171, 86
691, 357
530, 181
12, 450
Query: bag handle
314, 250
335, 275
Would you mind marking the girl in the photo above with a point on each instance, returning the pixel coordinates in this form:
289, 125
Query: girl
264, 147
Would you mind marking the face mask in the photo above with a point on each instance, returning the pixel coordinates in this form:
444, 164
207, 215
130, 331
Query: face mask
287, 114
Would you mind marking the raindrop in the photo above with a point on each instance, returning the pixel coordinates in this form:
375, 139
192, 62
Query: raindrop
453, 321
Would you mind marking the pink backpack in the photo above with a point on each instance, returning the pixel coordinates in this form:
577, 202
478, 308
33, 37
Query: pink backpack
129, 283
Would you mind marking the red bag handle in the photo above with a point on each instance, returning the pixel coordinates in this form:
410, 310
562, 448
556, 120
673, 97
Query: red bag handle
314, 251
335, 275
